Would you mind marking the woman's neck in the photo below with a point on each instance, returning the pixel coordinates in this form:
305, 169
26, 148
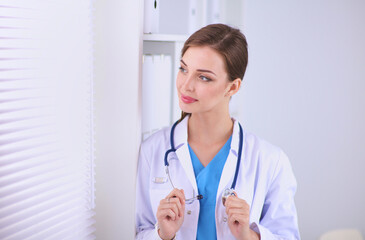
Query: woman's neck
209, 128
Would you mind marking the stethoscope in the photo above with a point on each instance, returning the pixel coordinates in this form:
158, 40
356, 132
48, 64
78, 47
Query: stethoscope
226, 192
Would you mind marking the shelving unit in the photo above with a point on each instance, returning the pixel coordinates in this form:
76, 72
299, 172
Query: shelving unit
171, 45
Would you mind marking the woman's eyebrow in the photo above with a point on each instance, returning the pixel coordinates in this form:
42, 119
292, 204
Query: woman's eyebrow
204, 70
199, 70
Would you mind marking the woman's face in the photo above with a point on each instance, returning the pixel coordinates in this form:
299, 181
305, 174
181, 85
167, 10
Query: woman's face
202, 82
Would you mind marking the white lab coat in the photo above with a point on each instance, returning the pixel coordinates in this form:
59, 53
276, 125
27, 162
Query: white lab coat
265, 181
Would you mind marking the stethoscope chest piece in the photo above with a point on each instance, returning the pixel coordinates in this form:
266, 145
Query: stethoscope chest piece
226, 193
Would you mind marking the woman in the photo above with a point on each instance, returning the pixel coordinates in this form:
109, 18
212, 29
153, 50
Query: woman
207, 153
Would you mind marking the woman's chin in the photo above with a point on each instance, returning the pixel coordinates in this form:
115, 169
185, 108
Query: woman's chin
184, 107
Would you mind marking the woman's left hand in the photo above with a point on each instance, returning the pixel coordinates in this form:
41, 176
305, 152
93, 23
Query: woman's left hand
238, 212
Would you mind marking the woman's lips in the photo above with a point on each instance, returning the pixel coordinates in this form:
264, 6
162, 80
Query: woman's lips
187, 99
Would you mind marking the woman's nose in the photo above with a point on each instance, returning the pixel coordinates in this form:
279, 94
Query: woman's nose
188, 84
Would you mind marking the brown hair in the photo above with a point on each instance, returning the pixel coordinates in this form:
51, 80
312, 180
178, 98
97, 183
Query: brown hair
227, 41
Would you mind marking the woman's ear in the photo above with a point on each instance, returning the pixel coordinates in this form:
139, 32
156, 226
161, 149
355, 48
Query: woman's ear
233, 87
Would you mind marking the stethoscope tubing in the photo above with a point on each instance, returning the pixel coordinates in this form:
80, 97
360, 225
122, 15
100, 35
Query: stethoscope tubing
233, 186
172, 149
172, 144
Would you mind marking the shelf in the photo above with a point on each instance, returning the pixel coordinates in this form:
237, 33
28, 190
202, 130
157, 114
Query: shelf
164, 37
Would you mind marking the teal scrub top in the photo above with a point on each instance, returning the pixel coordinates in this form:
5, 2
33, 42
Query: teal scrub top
207, 179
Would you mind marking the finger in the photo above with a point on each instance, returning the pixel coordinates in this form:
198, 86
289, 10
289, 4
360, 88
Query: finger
168, 214
242, 211
238, 211
178, 194
234, 220
238, 219
163, 214
245, 211
173, 206
174, 203
242, 205
178, 205
234, 201
182, 202
175, 196
175, 192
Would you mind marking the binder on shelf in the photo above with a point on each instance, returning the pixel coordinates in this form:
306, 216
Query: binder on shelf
151, 16
214, 12
193, 16
148, 92
178, 16
163, 90
156, 93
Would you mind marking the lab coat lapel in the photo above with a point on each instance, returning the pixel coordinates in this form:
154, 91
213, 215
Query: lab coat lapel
182, 152
230, 165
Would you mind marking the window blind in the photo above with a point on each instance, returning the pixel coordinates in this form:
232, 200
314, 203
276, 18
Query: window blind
46, 120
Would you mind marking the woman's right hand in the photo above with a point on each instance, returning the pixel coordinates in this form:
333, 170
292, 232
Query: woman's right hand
170, 214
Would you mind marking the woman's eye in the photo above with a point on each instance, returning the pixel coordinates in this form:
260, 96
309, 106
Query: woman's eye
204, 78
181, 69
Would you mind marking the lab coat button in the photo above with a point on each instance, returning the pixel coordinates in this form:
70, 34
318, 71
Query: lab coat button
188, 212
225, 219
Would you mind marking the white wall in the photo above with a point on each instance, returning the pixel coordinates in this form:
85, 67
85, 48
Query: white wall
304, 91
117, 104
